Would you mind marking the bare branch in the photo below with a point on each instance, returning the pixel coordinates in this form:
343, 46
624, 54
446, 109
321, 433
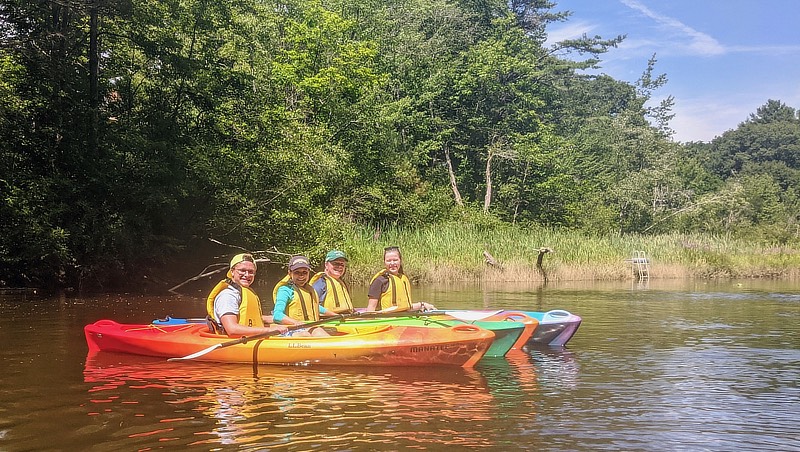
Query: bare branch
204, 274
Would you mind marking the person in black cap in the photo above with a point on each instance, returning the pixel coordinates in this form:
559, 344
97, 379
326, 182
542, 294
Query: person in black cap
296, 302
333, 293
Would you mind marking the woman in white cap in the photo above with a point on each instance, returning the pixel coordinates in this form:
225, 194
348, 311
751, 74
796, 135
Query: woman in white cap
233, 308
296, 302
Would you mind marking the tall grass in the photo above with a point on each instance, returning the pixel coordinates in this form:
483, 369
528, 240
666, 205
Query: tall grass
455, 252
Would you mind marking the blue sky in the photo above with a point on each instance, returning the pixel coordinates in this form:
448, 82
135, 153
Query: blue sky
723, 58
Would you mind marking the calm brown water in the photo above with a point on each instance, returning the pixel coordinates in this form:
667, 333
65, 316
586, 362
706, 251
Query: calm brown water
671, 366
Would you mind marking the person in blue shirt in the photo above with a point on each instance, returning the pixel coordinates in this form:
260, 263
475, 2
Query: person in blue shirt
334, 295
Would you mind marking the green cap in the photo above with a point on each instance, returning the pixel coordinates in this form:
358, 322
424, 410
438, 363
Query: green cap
335, 254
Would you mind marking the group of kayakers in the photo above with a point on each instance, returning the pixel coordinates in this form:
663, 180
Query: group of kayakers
300, 297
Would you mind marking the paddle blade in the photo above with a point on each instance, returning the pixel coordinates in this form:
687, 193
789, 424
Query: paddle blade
197, 354
470, 316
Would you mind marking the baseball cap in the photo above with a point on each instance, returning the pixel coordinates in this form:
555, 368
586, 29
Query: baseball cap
238, 259
298, 262
335, 254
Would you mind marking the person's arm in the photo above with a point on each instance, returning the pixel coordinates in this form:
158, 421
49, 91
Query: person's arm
372, 304
226, 309
326, 312
233, 329
282, 299
374, 293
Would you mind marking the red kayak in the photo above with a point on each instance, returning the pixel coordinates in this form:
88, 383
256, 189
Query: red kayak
382, 345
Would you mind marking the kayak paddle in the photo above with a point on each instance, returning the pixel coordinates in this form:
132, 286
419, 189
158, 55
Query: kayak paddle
245, 339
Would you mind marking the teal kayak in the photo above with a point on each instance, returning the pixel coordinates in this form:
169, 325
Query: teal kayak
507, 333
555, 328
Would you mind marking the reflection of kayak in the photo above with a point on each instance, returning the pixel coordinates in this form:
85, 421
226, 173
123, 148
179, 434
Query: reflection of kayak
555, 328
123, 368
384, 345
214, 406
508, 333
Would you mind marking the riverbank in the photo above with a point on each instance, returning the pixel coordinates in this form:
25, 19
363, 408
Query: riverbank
458, 252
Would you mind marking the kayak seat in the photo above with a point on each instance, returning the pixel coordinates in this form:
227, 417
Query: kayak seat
213, 327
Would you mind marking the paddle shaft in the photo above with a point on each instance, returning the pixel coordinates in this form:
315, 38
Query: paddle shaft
245, 339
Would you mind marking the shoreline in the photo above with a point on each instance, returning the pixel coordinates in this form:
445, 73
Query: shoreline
463, 252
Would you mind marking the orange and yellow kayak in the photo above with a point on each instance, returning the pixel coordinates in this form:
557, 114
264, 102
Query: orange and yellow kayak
382, 345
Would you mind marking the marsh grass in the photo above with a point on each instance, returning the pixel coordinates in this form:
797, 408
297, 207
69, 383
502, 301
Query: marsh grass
454, 252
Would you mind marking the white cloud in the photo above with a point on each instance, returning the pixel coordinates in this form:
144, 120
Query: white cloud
769, 50
703, 119
569, 31
698, 42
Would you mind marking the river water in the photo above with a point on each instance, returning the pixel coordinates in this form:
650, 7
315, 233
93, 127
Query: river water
689, 365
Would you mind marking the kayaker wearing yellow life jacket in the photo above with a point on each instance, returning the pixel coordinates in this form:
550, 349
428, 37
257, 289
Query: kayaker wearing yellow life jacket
233, 307
390, 287
296, 302
333, 293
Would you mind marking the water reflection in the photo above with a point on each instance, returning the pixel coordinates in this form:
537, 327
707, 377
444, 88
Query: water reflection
293, 407
688, 365
558, 367
512, 381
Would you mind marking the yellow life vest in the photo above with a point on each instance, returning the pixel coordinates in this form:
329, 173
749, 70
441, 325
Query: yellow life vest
249, 307
397, 294
338, 294
304, 305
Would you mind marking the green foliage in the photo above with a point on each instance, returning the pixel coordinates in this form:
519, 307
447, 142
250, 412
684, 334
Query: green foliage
312, 123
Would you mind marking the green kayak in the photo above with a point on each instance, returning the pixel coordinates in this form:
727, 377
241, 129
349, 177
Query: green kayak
507, 333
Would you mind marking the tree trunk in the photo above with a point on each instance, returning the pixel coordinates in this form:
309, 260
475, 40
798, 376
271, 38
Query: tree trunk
452, 174
487, 200
519, 195
94, 76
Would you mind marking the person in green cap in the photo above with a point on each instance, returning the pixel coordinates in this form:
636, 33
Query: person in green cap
332, 290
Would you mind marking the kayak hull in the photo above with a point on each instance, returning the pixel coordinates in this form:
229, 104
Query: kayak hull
506, 333
556, 327
461, 345
531, 325
553, 328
